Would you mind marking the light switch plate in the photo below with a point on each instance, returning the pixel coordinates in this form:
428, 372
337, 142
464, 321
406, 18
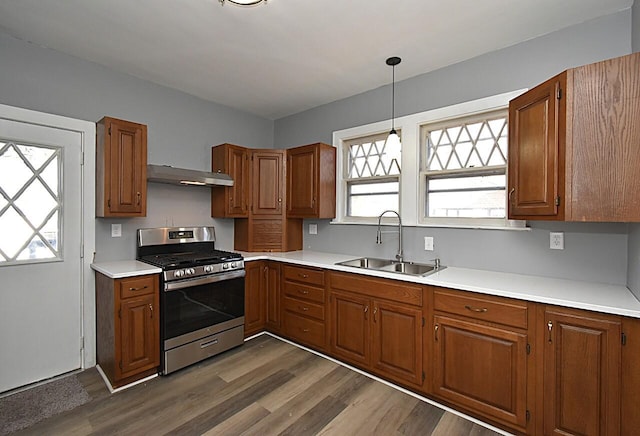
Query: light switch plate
313, 229
556, 240
428, 243
116, 230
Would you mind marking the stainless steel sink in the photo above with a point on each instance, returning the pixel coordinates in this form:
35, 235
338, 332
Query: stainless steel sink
409, 268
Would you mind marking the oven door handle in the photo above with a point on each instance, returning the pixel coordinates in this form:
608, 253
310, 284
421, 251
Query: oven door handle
181, 284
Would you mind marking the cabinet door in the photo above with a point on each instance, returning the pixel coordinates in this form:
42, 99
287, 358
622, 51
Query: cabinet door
536, 172
272, 276
582, 360
254, 297
231, 201
482, 368
397, 342
267, 182
302, 183
350, 327
139, 334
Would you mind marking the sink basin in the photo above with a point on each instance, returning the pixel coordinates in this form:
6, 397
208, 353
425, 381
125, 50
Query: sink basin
410, 268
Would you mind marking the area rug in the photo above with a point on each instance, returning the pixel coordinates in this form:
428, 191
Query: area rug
25, 408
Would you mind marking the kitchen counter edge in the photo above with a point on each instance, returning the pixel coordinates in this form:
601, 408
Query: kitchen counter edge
124, 268
598, 297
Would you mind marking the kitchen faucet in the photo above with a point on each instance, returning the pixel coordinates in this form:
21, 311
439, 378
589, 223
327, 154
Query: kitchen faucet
379, 233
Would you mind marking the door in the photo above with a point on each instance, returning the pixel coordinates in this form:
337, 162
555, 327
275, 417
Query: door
254, 303
301, 181
350, 327
41, 270
267, 182
139, 337
582, 359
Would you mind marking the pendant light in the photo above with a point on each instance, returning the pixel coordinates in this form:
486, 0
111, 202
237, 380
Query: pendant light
393, 140
243, 2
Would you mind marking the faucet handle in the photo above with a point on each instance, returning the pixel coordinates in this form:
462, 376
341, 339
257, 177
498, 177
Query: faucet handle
436, 262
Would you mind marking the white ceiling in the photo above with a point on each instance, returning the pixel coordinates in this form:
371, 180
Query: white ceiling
286, 56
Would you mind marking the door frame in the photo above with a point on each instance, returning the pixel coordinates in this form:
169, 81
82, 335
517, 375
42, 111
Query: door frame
87, 132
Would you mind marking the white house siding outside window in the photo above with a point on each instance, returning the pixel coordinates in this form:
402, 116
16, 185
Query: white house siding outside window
450, 170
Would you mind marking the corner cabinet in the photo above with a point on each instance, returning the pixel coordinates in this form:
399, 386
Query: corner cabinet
311, 181
121, 168
262, 297
128, 327
231, 201
573, 151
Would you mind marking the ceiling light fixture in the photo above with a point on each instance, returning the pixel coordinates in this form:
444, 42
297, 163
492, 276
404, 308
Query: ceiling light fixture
393, 139
244, 2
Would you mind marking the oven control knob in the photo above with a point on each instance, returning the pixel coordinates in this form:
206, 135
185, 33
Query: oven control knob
178, 273
233, 264
208, 268
190, 271
225, 266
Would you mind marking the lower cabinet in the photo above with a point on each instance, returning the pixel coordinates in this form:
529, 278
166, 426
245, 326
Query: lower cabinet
128, 327
255, 297
377, 324
272, 293
480, 355
581, 373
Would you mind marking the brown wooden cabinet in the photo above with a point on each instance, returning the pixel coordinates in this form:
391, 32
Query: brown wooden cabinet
480, 355
128, 327
311, 181
273, 294
255, 298
304, 302
377, 324
231, 201
121, 168
580, 372
573, 151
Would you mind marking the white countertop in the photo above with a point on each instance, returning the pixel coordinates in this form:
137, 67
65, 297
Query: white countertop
599, 297
125, 268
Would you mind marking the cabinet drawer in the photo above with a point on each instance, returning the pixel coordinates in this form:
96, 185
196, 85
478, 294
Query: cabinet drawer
298, 290
305, 330
135, 286
304, 308
486, 308
304, 275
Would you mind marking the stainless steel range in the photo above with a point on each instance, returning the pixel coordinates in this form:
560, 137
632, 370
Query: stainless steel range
202, 293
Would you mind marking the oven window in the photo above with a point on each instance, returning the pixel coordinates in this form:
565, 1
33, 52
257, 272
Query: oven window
196, 307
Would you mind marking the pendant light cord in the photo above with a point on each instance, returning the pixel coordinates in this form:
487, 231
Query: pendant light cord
393, 61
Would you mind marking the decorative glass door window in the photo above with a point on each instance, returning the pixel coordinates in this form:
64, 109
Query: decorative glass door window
30, 203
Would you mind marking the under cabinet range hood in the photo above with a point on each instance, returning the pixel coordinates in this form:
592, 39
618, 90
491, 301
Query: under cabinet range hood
181, 176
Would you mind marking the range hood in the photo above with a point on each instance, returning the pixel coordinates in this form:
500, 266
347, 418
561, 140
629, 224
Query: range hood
181, 176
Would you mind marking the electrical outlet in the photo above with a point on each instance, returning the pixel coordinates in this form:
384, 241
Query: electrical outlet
556, 240
313, 229
428, 243
116, 230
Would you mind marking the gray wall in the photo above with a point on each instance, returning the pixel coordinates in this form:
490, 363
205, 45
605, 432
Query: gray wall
181, 129
633, 268
636, 26
594, 252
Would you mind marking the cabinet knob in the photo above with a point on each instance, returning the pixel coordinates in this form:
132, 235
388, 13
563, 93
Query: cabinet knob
550, 328
436, 328
138, 196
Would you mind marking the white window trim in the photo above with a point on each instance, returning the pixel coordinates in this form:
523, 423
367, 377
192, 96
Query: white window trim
411, 187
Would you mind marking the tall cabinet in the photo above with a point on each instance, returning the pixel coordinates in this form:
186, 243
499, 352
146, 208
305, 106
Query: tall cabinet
573, 145
121, 168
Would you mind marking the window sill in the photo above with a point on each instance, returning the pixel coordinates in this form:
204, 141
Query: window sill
374, 222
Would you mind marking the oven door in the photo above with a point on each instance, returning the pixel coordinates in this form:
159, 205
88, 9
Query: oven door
194, 308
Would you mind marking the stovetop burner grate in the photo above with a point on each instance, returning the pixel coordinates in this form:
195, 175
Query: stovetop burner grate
168, 260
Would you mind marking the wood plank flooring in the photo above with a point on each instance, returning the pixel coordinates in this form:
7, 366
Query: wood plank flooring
265, 387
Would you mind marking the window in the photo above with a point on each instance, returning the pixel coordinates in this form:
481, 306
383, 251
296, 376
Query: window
465, 162
30, 203
451, 171
372, 176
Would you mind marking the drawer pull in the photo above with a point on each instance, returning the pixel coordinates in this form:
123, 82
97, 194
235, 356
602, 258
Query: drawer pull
138, 289
303, 291
304, 276
475, 309
306, 330
208, 344
302, 308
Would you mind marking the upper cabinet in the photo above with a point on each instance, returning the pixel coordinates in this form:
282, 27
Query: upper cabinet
311, 181
573, 145
231, 201
121, 168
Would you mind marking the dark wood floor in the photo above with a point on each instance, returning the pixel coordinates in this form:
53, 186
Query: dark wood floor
265, 387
